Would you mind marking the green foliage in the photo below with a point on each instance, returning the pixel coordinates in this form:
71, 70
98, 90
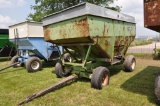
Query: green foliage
46, 7
158, 54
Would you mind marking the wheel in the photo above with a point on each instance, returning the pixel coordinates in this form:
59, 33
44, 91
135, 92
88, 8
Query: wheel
60, 70
67, 57
100, 78
130, 63
33, 64
14, 60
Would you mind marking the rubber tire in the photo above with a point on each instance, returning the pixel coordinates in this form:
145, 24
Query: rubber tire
29, 62
157, 89
96, 79
59, 70
128, 63
14, 60
66, 56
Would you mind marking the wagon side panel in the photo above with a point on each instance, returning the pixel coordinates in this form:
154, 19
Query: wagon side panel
75, 30
35, 30
20, 30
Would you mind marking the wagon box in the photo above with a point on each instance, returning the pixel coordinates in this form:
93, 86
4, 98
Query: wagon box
32, 48
151, 14
98, 36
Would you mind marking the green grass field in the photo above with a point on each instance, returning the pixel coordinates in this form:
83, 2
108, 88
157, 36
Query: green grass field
125, 89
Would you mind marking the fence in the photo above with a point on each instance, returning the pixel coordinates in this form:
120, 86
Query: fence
146, 49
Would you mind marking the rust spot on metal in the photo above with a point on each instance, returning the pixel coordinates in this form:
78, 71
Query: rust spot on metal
106, 43
118, 40
82, 27
104, 29
119, 45
47, 33
151, 14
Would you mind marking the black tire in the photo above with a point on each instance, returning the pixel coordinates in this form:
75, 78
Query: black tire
33, 64
67, 57
157, 89
60, 71
14, 60
100, 78
130, 63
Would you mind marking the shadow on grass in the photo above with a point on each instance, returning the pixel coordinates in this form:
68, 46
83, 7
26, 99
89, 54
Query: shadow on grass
49, 64
115, 69
143, 82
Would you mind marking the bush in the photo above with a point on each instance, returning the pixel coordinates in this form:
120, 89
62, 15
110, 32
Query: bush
158, 53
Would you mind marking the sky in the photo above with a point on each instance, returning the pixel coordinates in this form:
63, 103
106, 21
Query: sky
15, 11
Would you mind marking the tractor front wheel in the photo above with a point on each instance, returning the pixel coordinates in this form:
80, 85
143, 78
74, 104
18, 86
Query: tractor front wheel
33, 64
100, 77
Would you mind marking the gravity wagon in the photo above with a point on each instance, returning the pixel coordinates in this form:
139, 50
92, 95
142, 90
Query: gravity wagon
32, 48
95, 37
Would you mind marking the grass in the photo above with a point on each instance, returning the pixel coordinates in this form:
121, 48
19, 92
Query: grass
143, 55
140, 42
125, 89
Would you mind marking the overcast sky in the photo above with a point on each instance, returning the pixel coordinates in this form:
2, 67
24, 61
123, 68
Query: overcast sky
14, 11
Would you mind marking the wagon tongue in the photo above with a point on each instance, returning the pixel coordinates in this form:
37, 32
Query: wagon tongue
49, 89
9, 66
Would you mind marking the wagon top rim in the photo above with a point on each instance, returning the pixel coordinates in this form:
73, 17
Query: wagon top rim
25, 22
86, 9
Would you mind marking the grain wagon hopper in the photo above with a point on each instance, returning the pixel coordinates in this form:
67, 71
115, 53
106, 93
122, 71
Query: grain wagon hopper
6, 47
152, 21
95, 37
32, 48
98, 36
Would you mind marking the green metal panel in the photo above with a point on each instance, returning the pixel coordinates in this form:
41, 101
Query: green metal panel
4, 39
110, 37
63, 32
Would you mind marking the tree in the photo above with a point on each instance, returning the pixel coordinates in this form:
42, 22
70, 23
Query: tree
46, 7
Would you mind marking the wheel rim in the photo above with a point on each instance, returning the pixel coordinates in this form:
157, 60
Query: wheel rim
133, 64
35, 65
69, 59
105, 79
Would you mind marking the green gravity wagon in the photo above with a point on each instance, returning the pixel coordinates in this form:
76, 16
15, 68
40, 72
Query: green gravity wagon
95, 37
6, 47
